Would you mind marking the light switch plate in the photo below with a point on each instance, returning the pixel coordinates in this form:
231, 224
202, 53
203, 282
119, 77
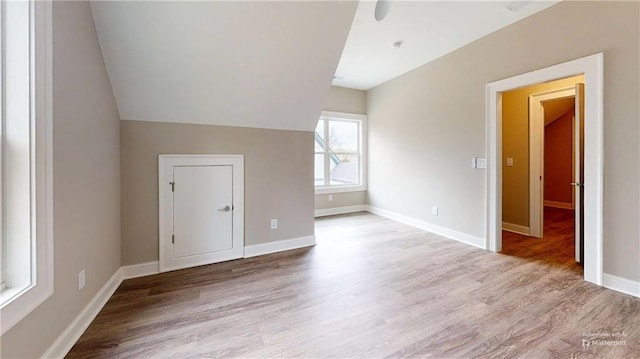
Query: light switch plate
482, 163
474, 162
509, 162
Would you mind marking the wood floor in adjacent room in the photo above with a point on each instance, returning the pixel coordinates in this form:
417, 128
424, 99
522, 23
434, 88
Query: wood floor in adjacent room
371, 288
556, 246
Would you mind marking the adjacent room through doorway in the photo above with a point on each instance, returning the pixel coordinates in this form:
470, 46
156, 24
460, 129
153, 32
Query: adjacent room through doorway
542, 165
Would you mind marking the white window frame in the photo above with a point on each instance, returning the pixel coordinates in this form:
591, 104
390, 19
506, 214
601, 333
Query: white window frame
17, 303
362, 150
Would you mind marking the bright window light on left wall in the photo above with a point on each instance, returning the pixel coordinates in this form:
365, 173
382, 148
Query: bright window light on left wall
26, 233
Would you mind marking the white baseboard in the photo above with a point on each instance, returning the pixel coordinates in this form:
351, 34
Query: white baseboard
278, 246
70, 336
140, 270
429, 227
556, 204
516, 228
623, 285
340, 210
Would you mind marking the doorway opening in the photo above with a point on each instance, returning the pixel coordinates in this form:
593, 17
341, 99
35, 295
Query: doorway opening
541, 171
592, 185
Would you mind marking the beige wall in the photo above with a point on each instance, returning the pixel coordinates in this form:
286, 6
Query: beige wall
349, 101
425, 126
278, 179
86, 181
515, 144
558, 159
346, 100
345, 199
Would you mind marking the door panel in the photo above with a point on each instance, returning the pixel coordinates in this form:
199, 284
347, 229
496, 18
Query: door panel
579, 173
201, 224
192, 190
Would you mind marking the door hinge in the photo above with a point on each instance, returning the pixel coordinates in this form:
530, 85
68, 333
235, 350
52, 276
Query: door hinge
173, 186
233, 207
173, 239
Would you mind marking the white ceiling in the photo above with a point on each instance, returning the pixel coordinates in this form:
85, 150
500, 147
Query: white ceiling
428, 29
249, 64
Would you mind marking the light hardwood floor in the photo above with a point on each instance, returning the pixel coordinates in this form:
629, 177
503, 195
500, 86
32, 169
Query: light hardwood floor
371, 288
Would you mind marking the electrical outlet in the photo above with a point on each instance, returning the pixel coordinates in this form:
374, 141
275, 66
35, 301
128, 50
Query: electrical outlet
81, 279
434, 210
274, 224
330, 197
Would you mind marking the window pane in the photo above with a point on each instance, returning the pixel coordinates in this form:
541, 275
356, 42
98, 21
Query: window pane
343, 136
319, 140
345, 170
319, 170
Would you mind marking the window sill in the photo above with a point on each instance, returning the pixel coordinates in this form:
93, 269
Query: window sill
339, 189
20, 302
7, 295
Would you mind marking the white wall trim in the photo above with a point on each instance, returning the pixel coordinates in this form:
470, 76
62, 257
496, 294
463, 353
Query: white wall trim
340, 210
140, 270
429, 227
623, 285
254, 250
593, 69
31, 290
557, 204
515, 228
72, 333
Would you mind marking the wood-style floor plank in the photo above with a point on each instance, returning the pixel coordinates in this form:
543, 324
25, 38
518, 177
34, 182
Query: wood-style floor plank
372, 288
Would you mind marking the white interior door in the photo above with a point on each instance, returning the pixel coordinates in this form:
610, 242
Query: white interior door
202, 215
536, 156
200, 210
578, 173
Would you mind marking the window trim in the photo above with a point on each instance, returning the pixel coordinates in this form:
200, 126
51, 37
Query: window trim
362, 119
16, 306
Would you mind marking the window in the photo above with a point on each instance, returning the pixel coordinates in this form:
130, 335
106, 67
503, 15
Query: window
339, 153
26, 247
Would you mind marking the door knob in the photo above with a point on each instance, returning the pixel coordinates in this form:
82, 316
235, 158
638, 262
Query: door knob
225, 209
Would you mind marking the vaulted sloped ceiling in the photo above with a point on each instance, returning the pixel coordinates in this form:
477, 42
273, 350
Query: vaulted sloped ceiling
236, 63
555, 109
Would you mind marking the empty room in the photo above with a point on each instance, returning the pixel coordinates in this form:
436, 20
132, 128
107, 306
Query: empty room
319, 179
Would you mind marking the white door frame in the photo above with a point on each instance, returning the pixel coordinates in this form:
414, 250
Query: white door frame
592, 68
536, 155
166, 163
